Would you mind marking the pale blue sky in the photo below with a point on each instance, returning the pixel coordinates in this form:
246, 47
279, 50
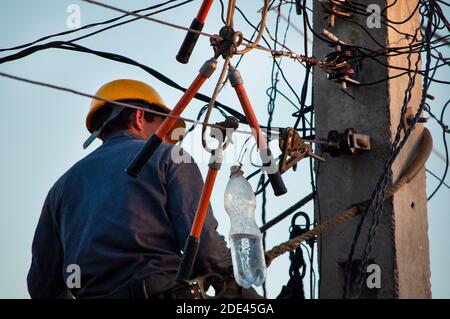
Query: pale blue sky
42, 130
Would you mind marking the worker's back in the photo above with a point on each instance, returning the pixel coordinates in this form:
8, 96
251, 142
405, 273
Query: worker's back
120, 230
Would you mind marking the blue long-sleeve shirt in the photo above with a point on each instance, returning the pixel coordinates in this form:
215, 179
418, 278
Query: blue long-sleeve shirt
118, 229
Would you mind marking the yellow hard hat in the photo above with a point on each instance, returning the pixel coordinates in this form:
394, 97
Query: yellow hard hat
125, 89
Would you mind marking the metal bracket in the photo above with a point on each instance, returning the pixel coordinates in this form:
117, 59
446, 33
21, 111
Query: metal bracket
293, 150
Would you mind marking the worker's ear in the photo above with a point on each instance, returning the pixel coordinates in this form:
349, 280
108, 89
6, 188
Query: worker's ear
138, 119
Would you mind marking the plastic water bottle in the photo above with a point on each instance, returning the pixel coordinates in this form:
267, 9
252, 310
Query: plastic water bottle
247, 252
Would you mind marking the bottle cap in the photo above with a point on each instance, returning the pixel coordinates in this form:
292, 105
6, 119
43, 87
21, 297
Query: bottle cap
235, 170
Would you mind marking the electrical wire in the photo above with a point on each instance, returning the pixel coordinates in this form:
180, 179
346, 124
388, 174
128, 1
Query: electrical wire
118, 103
92, 25
166, 23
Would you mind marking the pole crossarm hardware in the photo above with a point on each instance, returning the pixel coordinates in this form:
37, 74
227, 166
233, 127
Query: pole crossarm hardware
417, 164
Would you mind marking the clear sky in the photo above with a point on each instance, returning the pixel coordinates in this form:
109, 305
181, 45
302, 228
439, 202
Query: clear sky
42, 130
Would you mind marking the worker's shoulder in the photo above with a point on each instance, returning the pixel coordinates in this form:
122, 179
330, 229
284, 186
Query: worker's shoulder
56, 190
165, 152
177, 155
125, 151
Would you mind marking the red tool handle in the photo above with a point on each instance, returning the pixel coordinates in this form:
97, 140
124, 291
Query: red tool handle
202, 208
156, 139
193, 241
251, 116
264, 151
169, 122
203, 11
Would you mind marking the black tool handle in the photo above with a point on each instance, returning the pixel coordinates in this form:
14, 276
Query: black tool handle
274, 175
188, 259
277, 184
135, 167
189, 42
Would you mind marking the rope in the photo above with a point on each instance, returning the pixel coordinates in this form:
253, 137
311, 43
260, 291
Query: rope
355, 210
293, 243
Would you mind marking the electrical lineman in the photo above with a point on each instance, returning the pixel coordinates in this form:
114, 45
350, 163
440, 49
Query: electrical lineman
125, 234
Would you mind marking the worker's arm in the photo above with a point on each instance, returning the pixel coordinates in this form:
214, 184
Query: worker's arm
185, 184
45, 277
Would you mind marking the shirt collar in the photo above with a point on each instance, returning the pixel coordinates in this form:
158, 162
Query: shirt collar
122, 134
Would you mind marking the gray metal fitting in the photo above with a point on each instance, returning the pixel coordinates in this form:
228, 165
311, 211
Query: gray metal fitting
236, 170
215, 161
208, 68
235, 76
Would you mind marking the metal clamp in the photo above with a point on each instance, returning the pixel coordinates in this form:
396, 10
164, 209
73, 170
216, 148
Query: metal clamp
208, 68
293, 149
227, 45
223, 132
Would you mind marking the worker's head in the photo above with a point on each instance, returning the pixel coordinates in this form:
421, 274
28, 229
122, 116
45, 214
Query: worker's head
137, 122
105, 118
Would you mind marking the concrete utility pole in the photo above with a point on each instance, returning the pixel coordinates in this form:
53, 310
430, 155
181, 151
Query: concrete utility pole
401, 244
